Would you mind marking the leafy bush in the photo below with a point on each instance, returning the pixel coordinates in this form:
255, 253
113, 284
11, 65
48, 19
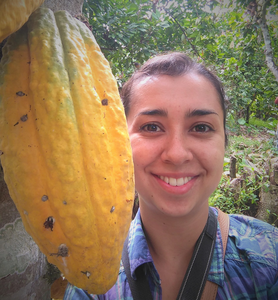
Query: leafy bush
242, 195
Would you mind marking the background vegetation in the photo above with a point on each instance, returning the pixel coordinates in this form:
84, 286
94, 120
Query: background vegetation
238, 41
225, 35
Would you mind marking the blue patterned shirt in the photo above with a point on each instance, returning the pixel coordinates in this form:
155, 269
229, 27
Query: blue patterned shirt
250, 270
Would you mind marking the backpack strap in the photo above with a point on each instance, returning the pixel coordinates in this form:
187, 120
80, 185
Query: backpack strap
210, 290
140, 288
197, 272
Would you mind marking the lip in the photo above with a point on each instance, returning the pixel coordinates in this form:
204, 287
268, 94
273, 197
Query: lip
183, 183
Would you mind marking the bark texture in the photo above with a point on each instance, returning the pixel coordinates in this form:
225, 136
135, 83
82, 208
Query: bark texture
74, 7
268, 208
267, 40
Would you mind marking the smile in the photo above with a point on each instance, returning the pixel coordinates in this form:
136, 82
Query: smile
175, 181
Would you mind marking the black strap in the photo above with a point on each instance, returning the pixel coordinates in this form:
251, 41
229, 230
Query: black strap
197, 272
140, 288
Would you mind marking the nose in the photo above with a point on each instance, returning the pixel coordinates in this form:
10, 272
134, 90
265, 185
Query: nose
177, 150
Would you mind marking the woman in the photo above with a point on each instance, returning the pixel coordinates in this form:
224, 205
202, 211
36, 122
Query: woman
176, 119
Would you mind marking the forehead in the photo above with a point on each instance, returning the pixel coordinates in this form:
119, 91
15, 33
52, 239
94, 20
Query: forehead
190, 86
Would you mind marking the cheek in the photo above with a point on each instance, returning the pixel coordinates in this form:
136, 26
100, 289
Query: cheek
143, 151
213, 157
140, 156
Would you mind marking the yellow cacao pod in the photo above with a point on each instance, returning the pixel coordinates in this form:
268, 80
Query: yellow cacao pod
14, 13
65, 148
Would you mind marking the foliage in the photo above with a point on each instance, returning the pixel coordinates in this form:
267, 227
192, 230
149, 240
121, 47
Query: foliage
230, 43
271, 123
123, 29
251, 154
255, 125
251, 88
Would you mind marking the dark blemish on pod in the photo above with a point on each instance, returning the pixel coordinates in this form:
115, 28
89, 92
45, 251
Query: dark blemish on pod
25, 212
24, 118
65, 202
62, 251
104, 102
44, 198
112, 209
20, 94
49, 223
88, 274
16, 123
1, 152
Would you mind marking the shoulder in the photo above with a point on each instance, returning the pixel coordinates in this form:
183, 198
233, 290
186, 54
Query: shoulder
254, 237
243, 224
251, 264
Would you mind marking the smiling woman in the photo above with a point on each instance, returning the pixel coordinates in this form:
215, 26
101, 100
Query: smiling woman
176, 120
176, 131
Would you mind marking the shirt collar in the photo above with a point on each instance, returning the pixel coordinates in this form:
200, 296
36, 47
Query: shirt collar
139, 252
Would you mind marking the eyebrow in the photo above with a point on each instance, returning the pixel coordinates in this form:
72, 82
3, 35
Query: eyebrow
153, 112
200, 112
164, 113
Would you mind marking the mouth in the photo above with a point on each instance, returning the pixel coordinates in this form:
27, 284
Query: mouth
175, 181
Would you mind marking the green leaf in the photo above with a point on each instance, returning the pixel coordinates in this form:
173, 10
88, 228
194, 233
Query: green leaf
241, 121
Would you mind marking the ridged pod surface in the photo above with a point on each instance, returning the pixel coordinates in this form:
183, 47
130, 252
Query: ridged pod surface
65, 148
14, 13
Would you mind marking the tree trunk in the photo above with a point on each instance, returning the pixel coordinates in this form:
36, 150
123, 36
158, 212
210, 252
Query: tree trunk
268, 207
74, 7
267, 41
268, 51
232, 167
24, 271
276, 138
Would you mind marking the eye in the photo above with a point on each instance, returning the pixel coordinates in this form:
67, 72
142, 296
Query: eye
202, 128
151, 127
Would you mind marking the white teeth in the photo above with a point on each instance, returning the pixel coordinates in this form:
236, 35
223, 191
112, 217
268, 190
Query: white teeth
174, 181
180, 181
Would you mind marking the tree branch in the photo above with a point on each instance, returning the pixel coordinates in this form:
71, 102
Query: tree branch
182, 29
268, 49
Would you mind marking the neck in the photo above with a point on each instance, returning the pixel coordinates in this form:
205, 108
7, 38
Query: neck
173, 238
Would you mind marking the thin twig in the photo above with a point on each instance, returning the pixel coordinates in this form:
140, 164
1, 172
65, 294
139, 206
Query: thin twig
182, 29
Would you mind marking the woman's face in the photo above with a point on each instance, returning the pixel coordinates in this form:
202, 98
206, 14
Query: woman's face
178, 142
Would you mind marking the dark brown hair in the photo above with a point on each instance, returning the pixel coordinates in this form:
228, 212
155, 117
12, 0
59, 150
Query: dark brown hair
172, 64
